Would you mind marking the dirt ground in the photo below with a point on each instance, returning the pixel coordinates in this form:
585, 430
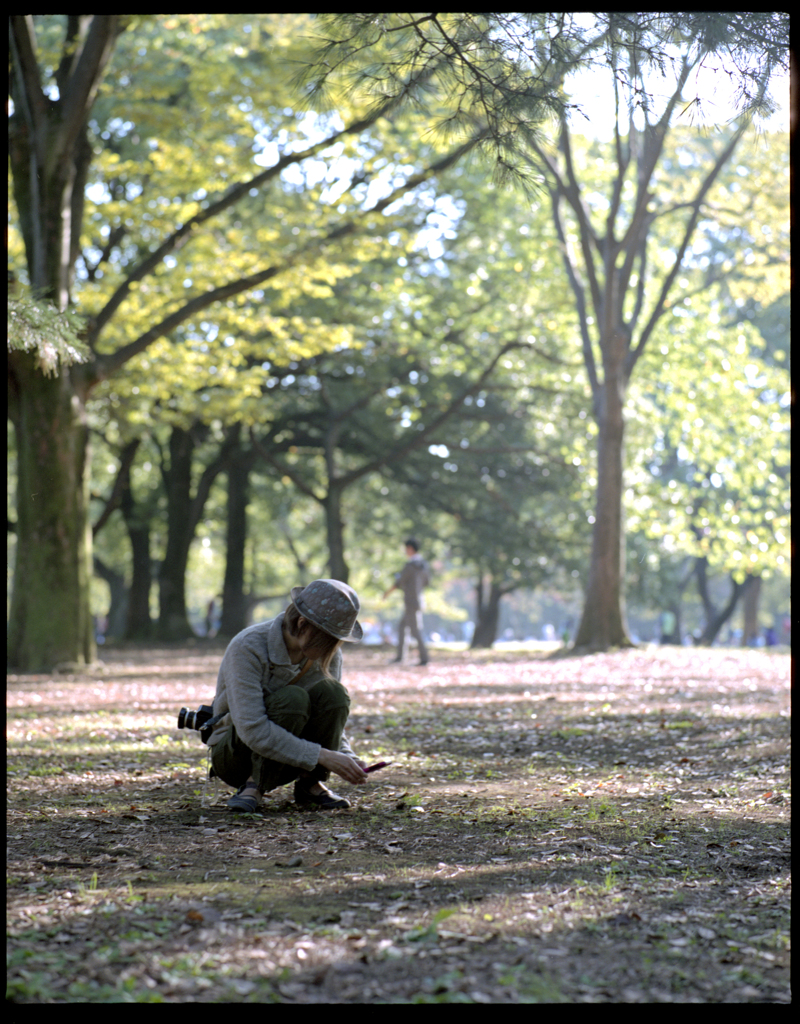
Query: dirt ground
611, 828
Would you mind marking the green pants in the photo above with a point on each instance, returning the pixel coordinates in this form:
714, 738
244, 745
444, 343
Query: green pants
319, 715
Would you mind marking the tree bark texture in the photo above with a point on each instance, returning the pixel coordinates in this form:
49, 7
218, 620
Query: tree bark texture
53, 532
334, 526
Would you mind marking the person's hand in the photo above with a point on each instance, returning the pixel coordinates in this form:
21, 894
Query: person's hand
348, 768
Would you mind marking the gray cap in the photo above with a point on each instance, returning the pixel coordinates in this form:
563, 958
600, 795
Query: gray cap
331, 605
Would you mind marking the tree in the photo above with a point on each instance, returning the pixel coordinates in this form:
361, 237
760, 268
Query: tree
515, 78
721, 463
240, 461
512, 501
339, 440
137, 515
184, 510
132, 281
433, 336
711, 417
49, 158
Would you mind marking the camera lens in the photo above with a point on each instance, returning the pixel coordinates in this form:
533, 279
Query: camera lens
195, 719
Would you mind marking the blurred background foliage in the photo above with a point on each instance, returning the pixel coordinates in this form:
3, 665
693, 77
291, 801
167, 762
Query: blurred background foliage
412, 366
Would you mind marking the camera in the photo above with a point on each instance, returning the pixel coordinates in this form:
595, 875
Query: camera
197, 720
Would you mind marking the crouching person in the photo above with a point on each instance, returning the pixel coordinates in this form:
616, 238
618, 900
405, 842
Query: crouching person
283, 704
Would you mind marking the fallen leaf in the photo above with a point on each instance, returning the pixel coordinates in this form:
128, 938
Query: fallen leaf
203, 915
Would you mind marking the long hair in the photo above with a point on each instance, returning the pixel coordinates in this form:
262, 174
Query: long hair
321, 640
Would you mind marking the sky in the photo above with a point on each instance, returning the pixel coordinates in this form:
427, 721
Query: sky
590, 88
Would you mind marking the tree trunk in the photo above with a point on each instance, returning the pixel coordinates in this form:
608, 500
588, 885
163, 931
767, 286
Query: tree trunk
487, 615
49, 153
234, 600
183, 515
602, 623
53, 561
335, 532
716, 618
751, 598
173, 621
138, 625
118, 604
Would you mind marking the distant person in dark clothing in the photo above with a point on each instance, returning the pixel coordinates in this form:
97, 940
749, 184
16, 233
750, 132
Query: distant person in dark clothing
411, 580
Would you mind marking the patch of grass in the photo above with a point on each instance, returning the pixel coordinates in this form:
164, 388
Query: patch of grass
531, 986
566, 734
602, 808
42, 771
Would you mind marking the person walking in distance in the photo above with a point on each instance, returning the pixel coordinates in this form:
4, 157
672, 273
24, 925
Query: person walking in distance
411, 580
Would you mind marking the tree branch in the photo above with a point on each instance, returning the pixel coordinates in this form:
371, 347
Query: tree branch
108, 364
82, 84
580, 296
420, 437
635, 353
181, 234
23, 48
282, 468
654, 137
123, 475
